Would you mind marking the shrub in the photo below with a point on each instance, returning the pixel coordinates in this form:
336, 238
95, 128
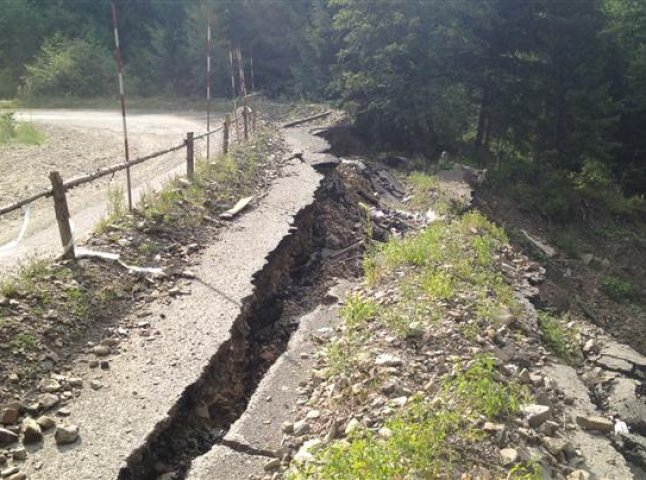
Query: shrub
618, 289
69, 67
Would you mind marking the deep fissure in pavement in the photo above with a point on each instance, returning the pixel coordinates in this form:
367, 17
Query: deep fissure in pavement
291, 284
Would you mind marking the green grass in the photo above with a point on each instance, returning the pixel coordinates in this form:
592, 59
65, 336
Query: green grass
25, 342
22, 133
423, 434
558, 337
357, 310
619, 290
134, 103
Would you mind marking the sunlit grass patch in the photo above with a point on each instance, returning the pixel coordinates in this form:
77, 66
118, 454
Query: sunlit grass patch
557, 335
419, 442
357, 310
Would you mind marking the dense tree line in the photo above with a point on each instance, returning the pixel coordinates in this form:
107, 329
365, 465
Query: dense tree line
549, 89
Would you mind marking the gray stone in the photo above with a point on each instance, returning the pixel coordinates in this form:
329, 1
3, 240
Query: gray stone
600, 424
625, 353
536, 414
301, 428
578, 475
554, 445
19, 453
590, 347
18, 476
49, 385
9, 471
7, 437
46, 422
614, 364
101, 350
388, 360
9, 416
75, 382
66, 434
31, 431
625, 403
352, 426
273, 464
508, 456
49, 400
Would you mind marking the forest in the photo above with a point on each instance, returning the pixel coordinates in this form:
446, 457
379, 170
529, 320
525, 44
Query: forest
550, 95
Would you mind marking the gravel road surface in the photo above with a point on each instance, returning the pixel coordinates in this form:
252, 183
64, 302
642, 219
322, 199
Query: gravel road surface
80, 141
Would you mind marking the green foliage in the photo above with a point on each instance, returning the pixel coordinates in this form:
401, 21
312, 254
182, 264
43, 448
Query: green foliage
25, 342
357, 310
69, 67
422, 437
480, 388
618, 289
15, 132
558, 336
7, 126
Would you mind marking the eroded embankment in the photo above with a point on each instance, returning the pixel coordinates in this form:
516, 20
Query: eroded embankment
291, 283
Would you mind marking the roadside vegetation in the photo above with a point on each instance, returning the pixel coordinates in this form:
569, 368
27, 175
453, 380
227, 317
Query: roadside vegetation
12, 131
445, 278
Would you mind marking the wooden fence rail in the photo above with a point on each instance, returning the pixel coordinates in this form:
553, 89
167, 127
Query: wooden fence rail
59, 187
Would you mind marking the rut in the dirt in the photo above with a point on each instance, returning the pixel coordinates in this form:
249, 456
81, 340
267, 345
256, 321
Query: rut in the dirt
292, 283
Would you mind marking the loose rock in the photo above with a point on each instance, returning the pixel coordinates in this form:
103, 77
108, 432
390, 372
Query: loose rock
31, 431
600, 424
508, 456
7, 437
66, 434
536, 414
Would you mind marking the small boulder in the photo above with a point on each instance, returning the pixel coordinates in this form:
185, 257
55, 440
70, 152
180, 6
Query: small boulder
66, 434
536, 414
7, 437
46, 422
388, 360
9, 416
508, 456
599, 424
31, 431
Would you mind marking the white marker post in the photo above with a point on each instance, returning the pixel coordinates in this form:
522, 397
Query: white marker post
122, 97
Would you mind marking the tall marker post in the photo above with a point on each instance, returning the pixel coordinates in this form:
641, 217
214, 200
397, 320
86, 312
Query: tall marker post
122, 96
234, 93
208, 86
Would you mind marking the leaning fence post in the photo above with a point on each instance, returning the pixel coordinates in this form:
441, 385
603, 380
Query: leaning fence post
225, 134
62, 215
190, 154
245, 121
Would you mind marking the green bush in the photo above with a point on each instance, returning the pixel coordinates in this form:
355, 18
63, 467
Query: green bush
69, 67
618, 289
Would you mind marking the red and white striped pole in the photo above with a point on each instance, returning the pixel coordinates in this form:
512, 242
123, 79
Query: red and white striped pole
122, 96
233, 90
208, 85
253, 82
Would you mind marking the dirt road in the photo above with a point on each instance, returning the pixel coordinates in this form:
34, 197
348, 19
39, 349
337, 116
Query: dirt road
80, 141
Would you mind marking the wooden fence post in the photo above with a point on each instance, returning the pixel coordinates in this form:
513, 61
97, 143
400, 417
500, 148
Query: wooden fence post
62, 215
190, 156
225, 134
254, 118
245, 121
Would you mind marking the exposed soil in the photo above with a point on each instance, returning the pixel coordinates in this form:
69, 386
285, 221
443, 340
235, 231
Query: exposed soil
612, 249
